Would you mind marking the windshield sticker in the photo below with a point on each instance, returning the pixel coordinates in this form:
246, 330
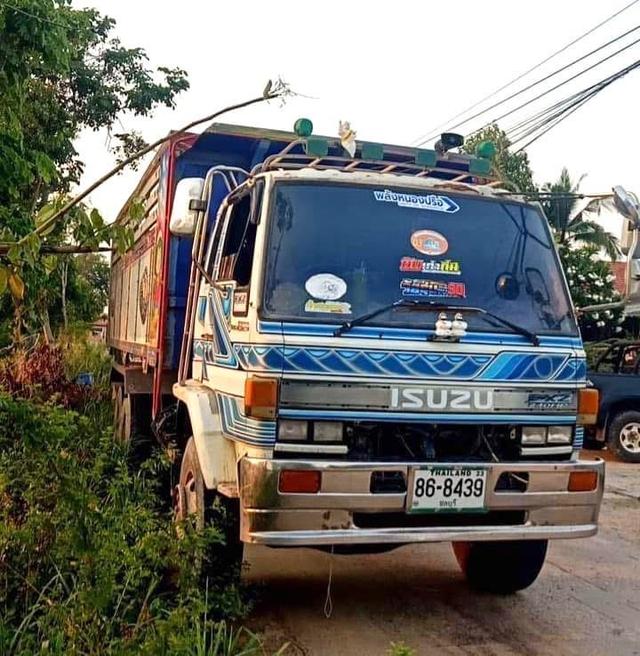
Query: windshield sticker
327, 307
432, 288
416, 265
326, 287
429, 202
429, 242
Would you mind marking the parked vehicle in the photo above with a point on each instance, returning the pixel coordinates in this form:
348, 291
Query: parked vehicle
355, 352
615, 375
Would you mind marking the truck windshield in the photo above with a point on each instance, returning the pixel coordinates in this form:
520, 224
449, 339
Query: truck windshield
338, 251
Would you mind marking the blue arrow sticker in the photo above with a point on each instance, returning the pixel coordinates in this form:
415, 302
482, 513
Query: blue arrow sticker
429, 202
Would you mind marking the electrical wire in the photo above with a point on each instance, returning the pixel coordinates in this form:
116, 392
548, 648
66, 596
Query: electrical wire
543, 126
557, 86
436, 131
553, 74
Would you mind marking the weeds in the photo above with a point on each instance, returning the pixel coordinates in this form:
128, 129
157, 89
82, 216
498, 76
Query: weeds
89, 563
400, 649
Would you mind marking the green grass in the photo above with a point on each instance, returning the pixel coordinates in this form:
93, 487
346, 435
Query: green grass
89, 562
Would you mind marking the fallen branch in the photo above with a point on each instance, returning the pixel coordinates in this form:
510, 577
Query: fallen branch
271, 92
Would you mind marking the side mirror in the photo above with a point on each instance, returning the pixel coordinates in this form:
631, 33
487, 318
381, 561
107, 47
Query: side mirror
627, 205
184, 212
507, 286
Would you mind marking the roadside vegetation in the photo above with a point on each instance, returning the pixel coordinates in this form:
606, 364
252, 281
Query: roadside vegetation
89, 561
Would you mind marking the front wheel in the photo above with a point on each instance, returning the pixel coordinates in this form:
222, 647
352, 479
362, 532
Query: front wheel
501, 567
192, 499
623, 435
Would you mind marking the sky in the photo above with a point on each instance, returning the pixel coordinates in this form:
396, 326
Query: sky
395, 70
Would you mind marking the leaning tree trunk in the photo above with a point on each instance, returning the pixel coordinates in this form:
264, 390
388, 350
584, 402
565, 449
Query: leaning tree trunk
46, 326
64, 275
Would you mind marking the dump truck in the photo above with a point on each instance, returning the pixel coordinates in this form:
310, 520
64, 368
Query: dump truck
354, 349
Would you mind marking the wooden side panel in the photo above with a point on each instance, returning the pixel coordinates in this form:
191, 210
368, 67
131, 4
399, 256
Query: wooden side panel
135, 276
132, 293
142, 297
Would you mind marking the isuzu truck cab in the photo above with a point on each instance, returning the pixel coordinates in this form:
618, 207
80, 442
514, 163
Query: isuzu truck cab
356, 352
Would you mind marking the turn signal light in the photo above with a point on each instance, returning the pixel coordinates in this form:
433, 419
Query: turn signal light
588, 400
299, 481
261, 398
583, 481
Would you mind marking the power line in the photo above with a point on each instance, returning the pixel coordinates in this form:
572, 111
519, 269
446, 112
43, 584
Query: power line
422, 139
546, 116
553, 74
557, 86
579, 100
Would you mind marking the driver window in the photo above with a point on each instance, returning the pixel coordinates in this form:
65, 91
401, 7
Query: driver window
236, 257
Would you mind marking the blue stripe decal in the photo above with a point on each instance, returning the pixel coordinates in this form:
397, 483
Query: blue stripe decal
578, 440
430, 418
505, 366
223, 354
325, 330
242, 428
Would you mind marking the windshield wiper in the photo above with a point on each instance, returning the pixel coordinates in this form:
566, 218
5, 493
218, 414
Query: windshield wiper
402, 302
436, 305
532, 337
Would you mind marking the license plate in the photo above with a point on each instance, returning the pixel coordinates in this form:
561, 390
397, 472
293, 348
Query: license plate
448, 489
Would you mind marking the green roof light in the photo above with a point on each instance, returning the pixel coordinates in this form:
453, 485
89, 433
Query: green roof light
479, 166
426, 158
372, 151
316, 147
303, 127
486, 150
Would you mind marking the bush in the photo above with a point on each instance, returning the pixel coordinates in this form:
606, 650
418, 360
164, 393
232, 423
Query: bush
81, 354
89, 563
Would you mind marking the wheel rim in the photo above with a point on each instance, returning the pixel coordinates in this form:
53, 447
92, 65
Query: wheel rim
190, 494
630, 437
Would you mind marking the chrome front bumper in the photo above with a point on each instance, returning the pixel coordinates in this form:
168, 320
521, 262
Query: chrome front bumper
334, 514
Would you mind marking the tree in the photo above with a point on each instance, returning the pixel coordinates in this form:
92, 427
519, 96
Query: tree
591, 283
570, 226
511, 167
61, 71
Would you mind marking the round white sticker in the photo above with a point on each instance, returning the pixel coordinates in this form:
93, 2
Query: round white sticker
326, 287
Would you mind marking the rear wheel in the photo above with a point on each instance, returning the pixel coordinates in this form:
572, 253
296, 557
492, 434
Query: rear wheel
501, 567
132, 420
191, 499
623, 435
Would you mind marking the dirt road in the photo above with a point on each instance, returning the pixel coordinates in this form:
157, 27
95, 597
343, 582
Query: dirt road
586, 601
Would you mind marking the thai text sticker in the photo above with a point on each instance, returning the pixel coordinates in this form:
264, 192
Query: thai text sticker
417, 287
416, 265
327, 307
432, 202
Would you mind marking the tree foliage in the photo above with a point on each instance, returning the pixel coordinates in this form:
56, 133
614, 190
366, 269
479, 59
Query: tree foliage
511, 167
591, 283
570, 226
62, 70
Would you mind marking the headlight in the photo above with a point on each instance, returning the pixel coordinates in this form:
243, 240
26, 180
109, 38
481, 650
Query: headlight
560, 434
534, 434
292, 430
327, 431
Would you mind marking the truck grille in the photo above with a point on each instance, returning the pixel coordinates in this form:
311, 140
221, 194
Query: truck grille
424, 442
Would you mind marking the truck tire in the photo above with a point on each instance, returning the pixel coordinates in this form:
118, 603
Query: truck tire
132, 420
191, 498
501, 567
623, 435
